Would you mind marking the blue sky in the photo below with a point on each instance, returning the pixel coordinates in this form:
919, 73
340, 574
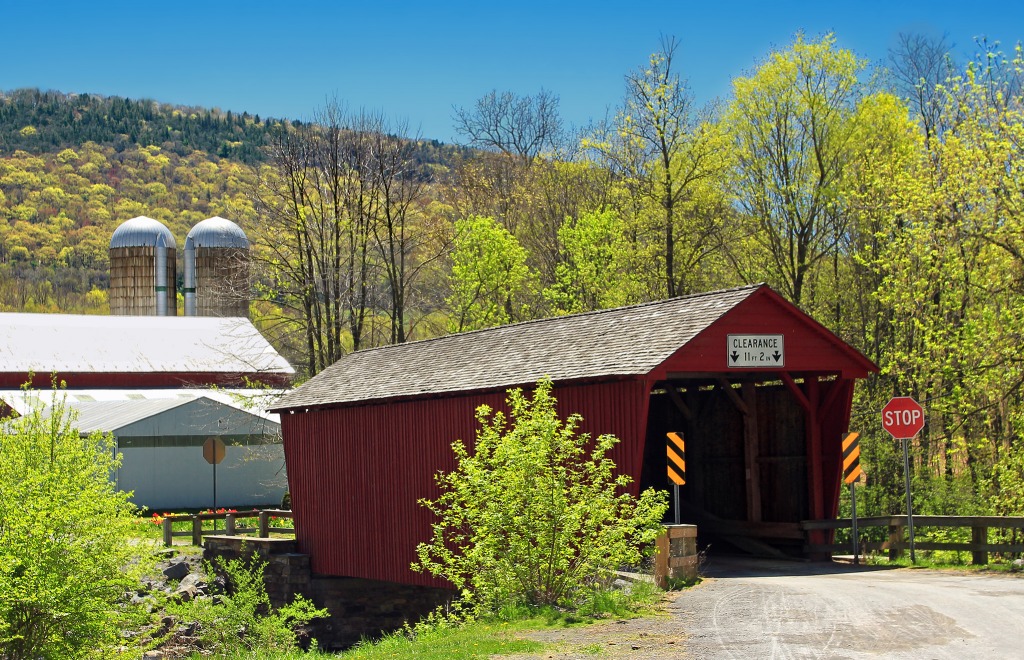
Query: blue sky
415, 60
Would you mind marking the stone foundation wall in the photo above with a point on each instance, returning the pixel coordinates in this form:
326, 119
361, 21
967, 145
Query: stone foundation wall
358, 608
677, 557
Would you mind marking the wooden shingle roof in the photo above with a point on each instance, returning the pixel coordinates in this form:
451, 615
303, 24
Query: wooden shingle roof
625, 341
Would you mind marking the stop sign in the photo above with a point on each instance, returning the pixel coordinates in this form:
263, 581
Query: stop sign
902, 417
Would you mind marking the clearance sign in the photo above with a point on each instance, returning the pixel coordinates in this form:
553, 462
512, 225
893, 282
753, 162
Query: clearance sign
756, 351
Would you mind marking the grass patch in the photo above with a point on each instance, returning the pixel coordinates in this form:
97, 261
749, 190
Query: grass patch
479, 639
443, 638
453, 640
499, 635
938, 563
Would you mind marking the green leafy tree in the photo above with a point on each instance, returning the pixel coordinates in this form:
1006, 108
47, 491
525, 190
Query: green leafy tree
488, 273
65, 540
663, 149
792, 123
599, 270
534, 513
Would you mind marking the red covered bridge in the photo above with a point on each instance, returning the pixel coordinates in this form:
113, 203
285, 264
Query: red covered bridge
760, 391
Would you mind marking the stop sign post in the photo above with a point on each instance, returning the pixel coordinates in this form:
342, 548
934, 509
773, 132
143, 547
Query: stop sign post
903, 418
214, 451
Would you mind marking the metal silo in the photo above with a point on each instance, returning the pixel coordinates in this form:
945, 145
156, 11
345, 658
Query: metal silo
216, 269
143, 269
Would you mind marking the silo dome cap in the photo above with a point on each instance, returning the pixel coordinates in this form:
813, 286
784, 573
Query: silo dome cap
216, 232
142, 232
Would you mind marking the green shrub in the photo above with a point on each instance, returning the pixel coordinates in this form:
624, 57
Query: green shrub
241, 618
535, 514
66, 546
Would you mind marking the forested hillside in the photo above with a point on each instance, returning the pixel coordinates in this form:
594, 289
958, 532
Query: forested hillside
889, 204
73, 167
32, 120
48, 122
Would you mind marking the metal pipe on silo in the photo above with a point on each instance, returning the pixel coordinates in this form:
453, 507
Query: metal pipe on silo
161, 277
190, 277
135, 274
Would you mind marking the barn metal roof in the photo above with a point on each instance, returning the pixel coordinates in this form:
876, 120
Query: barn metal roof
255, 402
107, 416
68, 343
615, 342
142, 232
216, 232
112, 416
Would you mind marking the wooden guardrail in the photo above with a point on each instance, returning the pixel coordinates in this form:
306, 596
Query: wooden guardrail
231, 526
979, 547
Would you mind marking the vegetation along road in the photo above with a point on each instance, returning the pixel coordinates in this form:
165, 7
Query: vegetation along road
754, 609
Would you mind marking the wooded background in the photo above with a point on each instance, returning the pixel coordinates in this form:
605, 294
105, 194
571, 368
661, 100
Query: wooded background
885, 201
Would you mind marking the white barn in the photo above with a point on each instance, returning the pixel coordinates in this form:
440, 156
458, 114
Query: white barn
160, 435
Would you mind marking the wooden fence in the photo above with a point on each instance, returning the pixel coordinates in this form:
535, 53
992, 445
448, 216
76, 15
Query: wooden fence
231, 525
979, 546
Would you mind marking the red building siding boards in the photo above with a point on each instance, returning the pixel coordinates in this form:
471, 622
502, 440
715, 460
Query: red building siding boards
364, 439
105, 380
357, 473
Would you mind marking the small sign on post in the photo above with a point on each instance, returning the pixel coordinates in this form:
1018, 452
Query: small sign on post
851, 473
676, 453
903, 418
851, 459
214, 451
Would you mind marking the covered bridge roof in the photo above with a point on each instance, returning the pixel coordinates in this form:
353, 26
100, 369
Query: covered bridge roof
626, 341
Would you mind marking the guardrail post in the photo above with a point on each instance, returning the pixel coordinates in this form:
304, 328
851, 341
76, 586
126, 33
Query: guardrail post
168, 528
197, 530
229, 524
895, 537
264, 524
979, 535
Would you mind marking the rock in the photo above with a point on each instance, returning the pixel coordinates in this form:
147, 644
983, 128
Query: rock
153, 655
166, 553
220, 584
192, 580
176, 571
186, 593
1017, 565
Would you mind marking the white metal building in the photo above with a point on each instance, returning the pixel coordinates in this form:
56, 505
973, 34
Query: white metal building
160, 435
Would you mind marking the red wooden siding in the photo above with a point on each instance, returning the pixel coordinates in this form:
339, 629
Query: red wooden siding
101, 380
356, 473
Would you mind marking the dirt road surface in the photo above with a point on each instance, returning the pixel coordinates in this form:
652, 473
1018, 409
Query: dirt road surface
751, 609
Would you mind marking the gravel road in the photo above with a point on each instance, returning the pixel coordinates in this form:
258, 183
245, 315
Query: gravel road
751, 609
